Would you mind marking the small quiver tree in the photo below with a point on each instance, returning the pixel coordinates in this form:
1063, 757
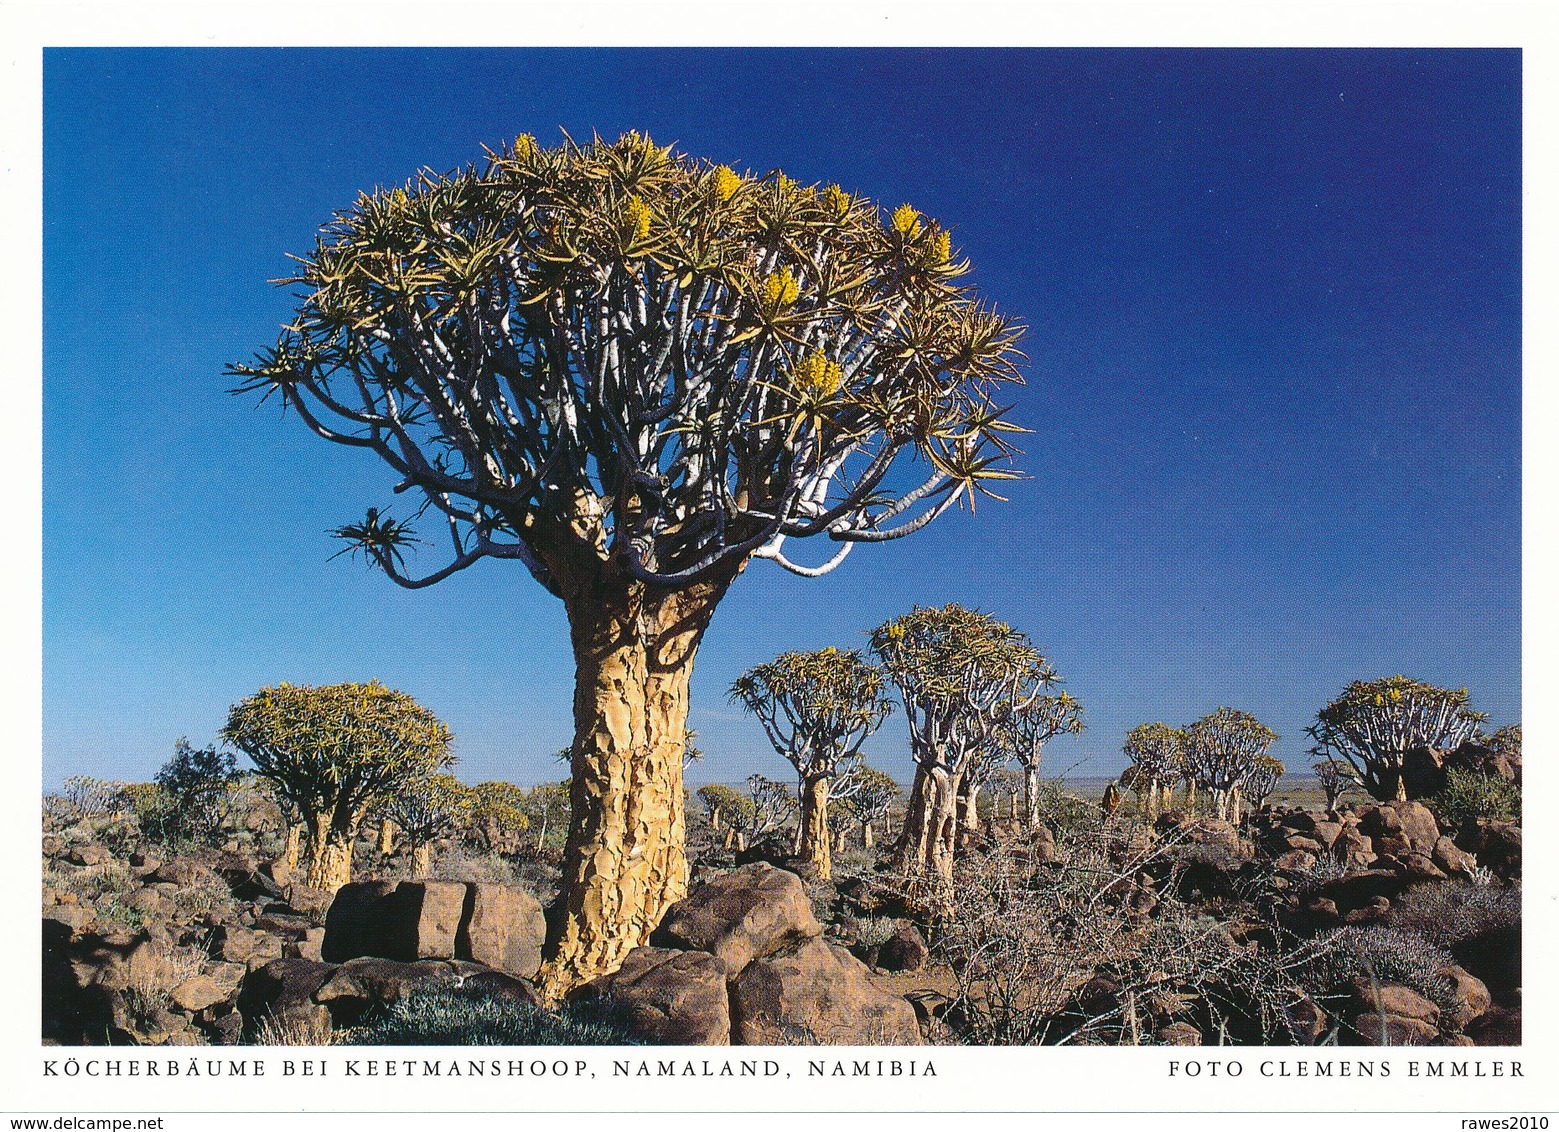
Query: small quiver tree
198, 782
1381, 726
496, 817
428, 810
724, 806
1261, 779
1157, 752
817, 708
633, 372
870, 802
773, 806
1335, 777
547, 809
336, 751
1221, 747
960, 674
1033, 726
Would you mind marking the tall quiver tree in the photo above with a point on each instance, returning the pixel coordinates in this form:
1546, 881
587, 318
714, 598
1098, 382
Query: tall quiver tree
1034, 726
817, 708
1380, 726
335, 752
633, 372
1221, 749
960, 673
1157, 752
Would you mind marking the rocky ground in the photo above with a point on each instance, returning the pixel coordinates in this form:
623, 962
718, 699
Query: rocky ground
1368, 925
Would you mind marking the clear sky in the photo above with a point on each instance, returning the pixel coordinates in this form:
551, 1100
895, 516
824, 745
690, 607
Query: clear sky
1274, 379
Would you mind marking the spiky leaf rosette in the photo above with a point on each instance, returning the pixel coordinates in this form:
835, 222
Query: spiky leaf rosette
1375, 723
613, 349
1262, 777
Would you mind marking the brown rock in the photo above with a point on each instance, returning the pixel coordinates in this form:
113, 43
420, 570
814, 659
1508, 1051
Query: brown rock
360, 983
365, 919
89, 855
1399, 1001
672, 997
817, 994
234, 944
1295, 860
195, 994
1498, 1026
1457, 862
1042, 846
504, 929
1470, 997
149, 902
1416, 867
1302, 843
75, 917
1179, 1034
1308, 1020
440, 906
744, 915
282, 993
1327, 833
182, 872
904, 950
1496, 844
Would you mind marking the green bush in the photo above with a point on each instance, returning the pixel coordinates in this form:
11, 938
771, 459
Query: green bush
1469, 795
453, 1016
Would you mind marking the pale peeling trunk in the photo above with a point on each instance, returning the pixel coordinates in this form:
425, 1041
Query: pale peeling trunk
1031, 796
421, 862
815, 848
930, 824
714, 820
841, 842
330, 855
623, 864
966, 814
866, 835
730, 839
386, 837
292, 851
1236, 803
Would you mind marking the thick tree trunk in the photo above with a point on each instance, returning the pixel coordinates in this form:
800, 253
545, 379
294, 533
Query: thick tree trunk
1031, 796
814, 848
421, 862
330, 854
714, 820
623, 864
386, 837
866, 835
730, 838
930, 824
292, 851
966, 814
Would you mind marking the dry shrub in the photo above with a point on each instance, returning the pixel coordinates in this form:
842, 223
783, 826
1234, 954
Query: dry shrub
1447, 913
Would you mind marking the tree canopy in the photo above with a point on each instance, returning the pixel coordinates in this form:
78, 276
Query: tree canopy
1376, 724
612, 351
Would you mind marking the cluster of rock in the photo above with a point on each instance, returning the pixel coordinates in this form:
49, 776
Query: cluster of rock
742, 961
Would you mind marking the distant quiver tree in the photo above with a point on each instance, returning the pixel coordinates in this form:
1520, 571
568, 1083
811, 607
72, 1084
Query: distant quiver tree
633, 372
336, 752
816, 708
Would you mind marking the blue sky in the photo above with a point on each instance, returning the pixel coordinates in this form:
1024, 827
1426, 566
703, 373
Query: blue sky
1274, 378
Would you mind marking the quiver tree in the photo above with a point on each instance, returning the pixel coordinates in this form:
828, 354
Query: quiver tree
773, 805
960, 673
633, 372
548, 808
425, 811
1261, 779
816, 708
1221, 748
1157, 752
335, 752
871, 800
496, 815
1335, 778
1384, 727
722, 804
1032, 727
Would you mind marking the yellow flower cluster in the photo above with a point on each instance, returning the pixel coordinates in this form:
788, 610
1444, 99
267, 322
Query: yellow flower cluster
639, 217
943, 250
726, 182
525, 147
780, 290
906, 221
836, 200
816, 374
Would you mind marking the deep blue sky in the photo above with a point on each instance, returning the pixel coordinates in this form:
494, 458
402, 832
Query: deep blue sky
1274, 379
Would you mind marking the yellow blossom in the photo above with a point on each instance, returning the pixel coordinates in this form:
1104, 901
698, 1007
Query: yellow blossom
726, 182
942, 251
906, 221
639, 217
525, 147
780, 290
837, 200
816, 374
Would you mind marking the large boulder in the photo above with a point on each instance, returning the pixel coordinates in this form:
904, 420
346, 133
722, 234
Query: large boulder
671, 997
1496, 844
817, 994
1470, 999
1390, 822
358, 984
748, 913
504, 929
